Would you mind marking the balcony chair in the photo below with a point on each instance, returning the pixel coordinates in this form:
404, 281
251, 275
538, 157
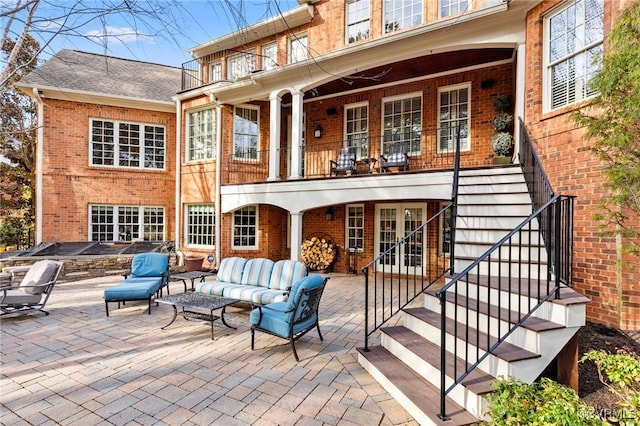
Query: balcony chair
398, 157
149, 275
33, 291
346, 162
295, 317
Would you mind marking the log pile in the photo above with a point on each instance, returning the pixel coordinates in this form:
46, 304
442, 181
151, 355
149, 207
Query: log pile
317, 253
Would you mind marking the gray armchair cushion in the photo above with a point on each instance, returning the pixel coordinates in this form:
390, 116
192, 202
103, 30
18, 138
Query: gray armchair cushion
39, 274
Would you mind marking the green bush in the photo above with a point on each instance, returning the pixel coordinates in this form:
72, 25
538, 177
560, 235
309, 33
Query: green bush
543, 403
620, 372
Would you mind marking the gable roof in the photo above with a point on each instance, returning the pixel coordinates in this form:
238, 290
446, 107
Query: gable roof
89, 73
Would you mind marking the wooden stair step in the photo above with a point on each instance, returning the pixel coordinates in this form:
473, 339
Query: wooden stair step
505, 351
511, 316
418, 390
477, 381
496, 260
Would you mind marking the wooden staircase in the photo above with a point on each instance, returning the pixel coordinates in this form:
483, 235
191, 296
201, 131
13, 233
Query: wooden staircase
491, 202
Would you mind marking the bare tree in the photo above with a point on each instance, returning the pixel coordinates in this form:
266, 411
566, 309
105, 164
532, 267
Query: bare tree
47, 20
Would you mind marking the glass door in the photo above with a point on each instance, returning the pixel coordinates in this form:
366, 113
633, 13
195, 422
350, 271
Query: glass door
393, 223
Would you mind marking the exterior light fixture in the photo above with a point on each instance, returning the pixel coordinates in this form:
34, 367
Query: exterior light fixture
329, 214
317, 133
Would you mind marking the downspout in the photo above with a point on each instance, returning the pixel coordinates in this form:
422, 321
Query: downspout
178, 197
39, 166
217, 207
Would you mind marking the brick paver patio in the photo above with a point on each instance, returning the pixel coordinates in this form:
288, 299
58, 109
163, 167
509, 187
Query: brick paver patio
78, 367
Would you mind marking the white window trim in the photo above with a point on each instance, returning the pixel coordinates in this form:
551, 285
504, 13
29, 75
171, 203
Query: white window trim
290, 42
400, 97
186, 225
441, 229
384, 12
546, 75
188, 135
257, 109
469, 8
217, 62
243, 55
344, 124
116, 125
264, 59
347, 24
115, 207
466, 85
233, 224
346, 225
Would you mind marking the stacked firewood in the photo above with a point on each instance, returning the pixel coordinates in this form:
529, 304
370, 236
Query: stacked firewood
317, 253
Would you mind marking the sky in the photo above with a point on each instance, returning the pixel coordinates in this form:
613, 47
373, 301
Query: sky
185, 24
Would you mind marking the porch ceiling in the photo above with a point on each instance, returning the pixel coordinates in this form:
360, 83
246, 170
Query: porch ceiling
415, 67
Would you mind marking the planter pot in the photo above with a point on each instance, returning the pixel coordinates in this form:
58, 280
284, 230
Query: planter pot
500, 159
193, 263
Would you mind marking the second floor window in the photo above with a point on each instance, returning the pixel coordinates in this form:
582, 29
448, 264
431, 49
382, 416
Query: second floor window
202, 135
453, 7
298, 45
269, 56
356, 132
215, 71
200, 225
240, 65
126, 223
402, 121
401, 14
245, 133
131, 145
357, 16
453, 104
245, 228
575, 36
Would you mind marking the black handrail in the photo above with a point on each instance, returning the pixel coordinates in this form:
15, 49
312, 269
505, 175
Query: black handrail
399, 288
510, 266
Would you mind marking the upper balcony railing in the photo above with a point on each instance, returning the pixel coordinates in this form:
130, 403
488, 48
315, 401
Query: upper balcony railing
252, 166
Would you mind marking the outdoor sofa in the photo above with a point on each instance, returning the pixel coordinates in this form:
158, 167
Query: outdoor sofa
256, 281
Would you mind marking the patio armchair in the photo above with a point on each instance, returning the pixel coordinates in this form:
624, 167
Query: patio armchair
398, 157
346, 162
149, 275
295, 317
33, 291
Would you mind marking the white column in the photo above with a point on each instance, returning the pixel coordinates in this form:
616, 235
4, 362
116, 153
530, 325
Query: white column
296, 134
295, 239
520, 95
275, 111
38, 237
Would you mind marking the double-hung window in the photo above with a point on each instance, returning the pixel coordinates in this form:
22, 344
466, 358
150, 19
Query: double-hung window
401, 14
245, 228
126, 223
200, 225
453, 7
357, 15
402, 122
574, 37
356, 128
240, 64
131, 145
202, 135
269, 56
355, 226
215, 71
453, 114
298, 48
245, 133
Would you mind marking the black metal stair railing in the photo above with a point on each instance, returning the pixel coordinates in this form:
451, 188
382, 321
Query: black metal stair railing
514, 274
402, 272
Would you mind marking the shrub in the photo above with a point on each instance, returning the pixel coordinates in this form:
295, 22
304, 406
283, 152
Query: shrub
501, 143
543, 403
503, 122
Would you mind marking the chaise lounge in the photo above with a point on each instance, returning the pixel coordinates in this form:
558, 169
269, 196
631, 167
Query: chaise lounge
149, 274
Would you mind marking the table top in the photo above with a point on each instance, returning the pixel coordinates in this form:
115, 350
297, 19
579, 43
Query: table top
191, 275
191, 299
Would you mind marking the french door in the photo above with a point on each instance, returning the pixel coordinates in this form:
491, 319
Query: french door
394, 222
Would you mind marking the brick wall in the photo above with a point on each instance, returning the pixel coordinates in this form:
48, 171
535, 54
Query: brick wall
70, 184
599, 271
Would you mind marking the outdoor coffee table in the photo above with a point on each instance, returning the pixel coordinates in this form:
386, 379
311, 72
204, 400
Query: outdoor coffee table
194, 306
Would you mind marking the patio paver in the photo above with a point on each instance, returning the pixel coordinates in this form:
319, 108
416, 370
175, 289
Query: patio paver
76, 366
